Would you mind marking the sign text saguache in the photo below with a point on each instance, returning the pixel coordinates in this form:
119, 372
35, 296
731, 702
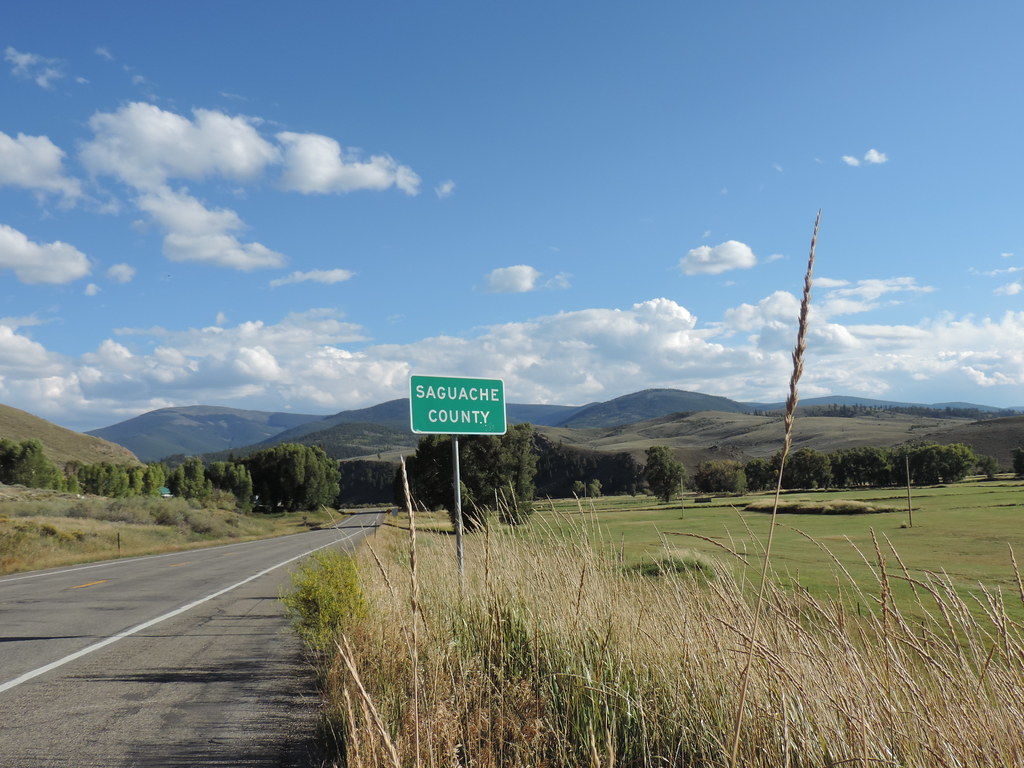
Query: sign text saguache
442, 405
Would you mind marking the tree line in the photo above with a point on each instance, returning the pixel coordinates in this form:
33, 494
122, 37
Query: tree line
806, 468
286, 477
501, 475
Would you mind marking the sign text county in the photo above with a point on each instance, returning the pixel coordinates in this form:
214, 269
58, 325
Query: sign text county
443, 405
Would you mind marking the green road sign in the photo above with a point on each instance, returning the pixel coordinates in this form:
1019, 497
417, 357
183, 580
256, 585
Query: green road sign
442, 405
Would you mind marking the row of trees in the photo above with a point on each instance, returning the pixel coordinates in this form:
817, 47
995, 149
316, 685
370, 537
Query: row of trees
26, 463
499, 473
919, 464
285, 477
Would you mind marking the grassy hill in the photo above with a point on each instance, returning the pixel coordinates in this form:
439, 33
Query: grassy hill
649, 404
61, 445
711, 435
197, 429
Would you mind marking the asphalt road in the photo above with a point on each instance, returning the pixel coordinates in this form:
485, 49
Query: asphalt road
171, 660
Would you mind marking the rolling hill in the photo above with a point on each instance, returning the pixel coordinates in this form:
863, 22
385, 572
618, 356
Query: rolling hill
648, 404
197, 429
61, 445
697, 425
710, 435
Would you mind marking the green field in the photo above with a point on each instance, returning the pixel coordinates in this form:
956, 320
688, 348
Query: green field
963, 531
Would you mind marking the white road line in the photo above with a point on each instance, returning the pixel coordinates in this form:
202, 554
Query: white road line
39, 574
146, 625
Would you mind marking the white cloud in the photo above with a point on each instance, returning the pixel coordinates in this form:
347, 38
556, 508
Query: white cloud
91, 289
317, 164
325, 276
316, 362
1010, 289
829, 282
997, 272
518, 279
780, 307
24, 359
121, 273
144, 146
559, 282
871, 157
705, 260
36, 163
31, 66
445, 189
104, 53
844, 298
197, 233
31, 262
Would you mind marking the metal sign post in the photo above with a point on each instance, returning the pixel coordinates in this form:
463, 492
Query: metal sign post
444, 405
457, 480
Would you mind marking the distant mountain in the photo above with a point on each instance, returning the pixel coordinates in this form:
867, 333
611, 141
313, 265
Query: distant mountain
384, 428
395, 414
648, 404
341, 441
197, 429
59, 444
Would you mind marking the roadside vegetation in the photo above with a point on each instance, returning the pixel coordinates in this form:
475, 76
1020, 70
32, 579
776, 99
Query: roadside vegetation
698, 643
553, 652
44, 529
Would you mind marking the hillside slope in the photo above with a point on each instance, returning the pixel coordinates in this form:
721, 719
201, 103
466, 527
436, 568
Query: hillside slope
197, 429
709, 435
648, 404
61, 445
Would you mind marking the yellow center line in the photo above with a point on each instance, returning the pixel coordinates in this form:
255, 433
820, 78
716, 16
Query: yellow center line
178, 565
91, 584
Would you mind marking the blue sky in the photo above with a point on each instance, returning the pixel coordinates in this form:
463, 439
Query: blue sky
296, 206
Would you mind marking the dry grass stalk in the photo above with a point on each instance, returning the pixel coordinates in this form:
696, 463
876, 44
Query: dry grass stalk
414, 597
787, 441
520, 674
345, 651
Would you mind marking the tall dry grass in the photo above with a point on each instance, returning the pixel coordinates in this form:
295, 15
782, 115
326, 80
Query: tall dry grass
554, 656
548, 653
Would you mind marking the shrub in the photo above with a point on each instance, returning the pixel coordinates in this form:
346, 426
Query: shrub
324, 599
